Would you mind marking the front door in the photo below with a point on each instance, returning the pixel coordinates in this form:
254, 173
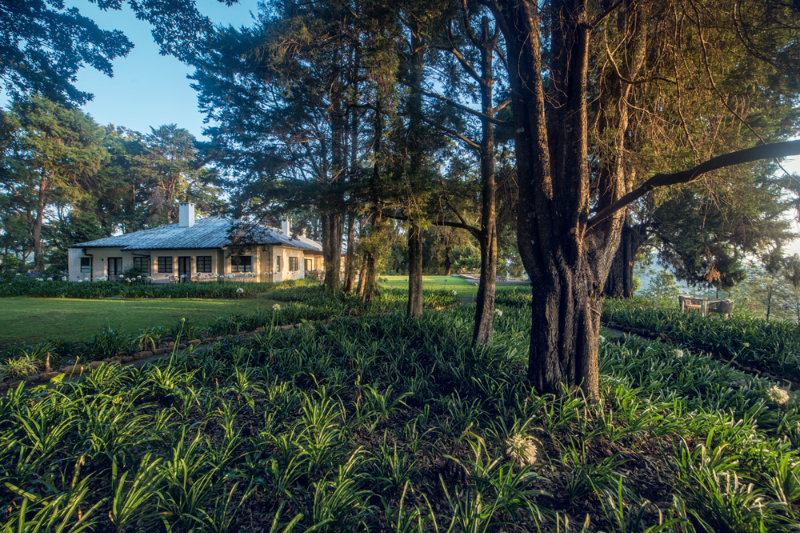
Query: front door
114, 267
185, 268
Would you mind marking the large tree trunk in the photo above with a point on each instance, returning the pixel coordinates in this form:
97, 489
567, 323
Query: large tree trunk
37, 226
332, 229
350, 264
414, 271
566, 263
448, 260
566, 258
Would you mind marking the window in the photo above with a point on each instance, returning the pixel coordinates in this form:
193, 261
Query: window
204, 263
278, 263
86, 265
142, 263
114, 266
293, 264
243, 263
165, 265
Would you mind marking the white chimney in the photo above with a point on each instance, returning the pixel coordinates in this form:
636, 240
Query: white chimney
286, 227
186, 215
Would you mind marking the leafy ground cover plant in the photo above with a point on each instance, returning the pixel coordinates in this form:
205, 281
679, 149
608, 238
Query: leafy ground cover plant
772, 346
379, 423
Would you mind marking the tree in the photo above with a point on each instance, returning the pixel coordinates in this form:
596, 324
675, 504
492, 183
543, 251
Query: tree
52, 151
43, 44
473, 45
570, 219
281, 94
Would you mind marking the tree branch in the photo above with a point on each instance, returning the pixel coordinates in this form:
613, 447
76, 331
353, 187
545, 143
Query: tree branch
472, 144
748, 155
605, 14
462, 107
474, 231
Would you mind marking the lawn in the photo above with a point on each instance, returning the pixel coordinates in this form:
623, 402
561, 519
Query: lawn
39, 319
460, 285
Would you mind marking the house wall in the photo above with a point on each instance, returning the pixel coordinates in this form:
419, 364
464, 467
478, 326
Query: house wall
100, 261
99, 258
270, 261
264, 263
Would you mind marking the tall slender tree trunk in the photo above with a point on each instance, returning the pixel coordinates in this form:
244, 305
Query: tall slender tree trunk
37, 226
370, 287
484, 309
448, 260
416, 151
619, 283
362, 276
350, 266
332, 230
414, 271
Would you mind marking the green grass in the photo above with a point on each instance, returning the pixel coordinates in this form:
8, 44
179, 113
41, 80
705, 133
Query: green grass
33, 320
460, 285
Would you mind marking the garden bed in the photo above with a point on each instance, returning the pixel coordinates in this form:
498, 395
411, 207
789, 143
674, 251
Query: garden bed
389, 424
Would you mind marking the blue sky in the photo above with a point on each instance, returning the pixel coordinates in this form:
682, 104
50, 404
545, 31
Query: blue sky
149, 89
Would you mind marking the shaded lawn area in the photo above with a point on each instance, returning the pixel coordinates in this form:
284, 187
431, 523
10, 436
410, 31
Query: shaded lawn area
34, 320
460, 285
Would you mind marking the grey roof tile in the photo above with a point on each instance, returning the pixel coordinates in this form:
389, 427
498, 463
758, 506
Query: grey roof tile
209, 232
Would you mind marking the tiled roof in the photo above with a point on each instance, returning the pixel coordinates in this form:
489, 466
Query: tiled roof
210, 232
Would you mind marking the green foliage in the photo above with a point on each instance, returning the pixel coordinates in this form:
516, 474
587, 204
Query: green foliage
663, 288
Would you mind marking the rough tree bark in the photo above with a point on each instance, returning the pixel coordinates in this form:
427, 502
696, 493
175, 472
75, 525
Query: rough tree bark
619, 283
415, 150
448, 260
567, 266
362, 276
332, 230
484, 309
38, 259
414, 271
350, 261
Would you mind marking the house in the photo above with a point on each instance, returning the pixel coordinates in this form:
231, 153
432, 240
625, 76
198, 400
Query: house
198, 250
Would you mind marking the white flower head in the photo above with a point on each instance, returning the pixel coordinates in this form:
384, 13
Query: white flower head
276, 307
63, 278
678, 353
128, 280
239, 290
455, 293
498, 312
778, 395
523, 450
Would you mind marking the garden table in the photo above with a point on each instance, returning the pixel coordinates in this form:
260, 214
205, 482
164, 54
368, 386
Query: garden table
691, 302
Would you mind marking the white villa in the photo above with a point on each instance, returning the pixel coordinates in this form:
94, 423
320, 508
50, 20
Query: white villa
198, 250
